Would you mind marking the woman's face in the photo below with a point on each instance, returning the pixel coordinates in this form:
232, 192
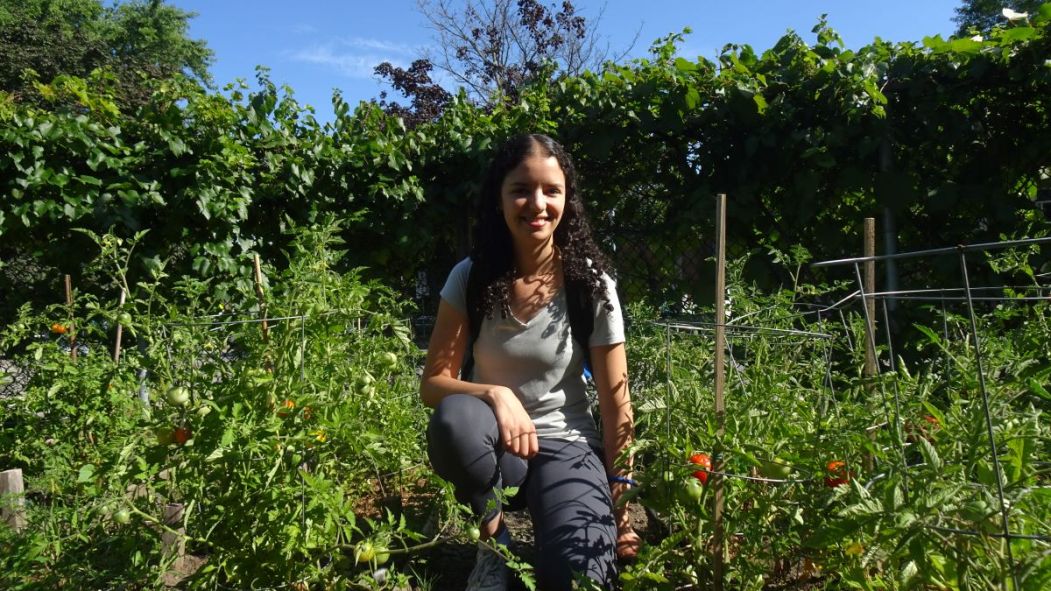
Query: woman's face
532, 198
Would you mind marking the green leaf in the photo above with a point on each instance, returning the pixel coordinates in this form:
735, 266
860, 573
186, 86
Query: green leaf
930, 455
86, 473
1038, 389
1018, 34
760, 103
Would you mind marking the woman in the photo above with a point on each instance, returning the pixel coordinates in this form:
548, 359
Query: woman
521, 418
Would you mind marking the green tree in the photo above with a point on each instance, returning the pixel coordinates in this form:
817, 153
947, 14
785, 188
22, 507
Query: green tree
983, 15
75, 37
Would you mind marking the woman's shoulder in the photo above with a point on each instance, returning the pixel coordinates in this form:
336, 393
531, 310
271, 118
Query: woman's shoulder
462, 268
455, 290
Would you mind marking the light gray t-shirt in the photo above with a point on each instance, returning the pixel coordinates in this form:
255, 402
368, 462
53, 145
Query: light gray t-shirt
538, 359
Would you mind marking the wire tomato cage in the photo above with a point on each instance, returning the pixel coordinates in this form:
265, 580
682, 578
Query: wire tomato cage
970, 297
834, 329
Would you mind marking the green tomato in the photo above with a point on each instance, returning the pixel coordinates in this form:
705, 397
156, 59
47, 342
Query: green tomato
694, 490
165, 435
363, 385
122, 516
388, 360
204, 411
178, 396
124, 319
775, 469
382, 555
364, 552
474, 533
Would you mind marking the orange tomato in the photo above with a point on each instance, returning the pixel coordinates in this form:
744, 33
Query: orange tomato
286, 406
59, 328
837, 474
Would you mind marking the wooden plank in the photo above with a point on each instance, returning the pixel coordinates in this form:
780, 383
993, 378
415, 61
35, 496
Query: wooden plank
12, 499
120, 327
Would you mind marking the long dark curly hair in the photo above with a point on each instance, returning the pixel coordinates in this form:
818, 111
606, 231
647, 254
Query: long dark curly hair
493, 255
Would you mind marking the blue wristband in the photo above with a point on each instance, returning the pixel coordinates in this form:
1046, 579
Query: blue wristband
623, 480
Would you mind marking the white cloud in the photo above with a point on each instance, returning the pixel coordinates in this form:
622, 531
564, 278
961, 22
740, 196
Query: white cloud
355, 57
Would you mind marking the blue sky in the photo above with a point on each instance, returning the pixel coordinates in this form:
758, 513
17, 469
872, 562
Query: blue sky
316, 46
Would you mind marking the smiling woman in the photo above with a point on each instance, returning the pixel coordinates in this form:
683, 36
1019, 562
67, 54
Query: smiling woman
520, 417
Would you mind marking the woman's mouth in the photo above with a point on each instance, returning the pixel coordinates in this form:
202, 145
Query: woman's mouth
536, 222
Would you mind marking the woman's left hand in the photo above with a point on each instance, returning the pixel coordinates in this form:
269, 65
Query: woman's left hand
628, 543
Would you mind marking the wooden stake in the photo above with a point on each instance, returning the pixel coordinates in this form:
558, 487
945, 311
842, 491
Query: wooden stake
120, 327
72, 329
870, 301
720, 383
870, 330
171, 542
12, 499
261, 296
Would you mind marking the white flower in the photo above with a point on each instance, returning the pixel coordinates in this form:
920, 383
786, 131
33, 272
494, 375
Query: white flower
1015, 16
977, 38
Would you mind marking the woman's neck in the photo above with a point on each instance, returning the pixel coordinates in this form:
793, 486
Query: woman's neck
542, 260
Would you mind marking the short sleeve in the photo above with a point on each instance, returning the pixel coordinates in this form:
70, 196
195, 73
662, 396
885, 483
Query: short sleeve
609, 325
455, 290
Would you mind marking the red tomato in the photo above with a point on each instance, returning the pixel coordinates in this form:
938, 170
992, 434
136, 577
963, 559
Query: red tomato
705, 462
837, 474
59, 328
182, 435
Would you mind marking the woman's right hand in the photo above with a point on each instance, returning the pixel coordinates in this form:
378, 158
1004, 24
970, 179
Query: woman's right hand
517, 431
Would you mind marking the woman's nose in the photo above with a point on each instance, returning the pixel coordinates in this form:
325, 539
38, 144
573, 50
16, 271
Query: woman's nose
538, 201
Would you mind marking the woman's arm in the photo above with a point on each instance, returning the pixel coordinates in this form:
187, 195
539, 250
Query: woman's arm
610, 371
445, 355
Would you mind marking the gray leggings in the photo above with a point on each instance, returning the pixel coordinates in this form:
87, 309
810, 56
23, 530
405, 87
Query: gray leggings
564, 486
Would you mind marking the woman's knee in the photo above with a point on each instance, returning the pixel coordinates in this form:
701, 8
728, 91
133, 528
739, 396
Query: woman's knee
457, 414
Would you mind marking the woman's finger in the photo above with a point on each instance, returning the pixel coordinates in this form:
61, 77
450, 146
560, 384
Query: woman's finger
522, 445
534, 444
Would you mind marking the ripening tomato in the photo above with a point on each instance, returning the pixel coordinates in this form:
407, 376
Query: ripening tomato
837, 474
58, 328
705, 462
286, 407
